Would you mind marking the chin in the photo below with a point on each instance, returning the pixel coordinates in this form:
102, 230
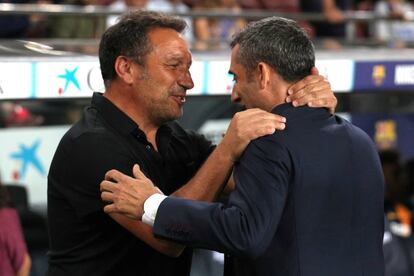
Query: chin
178, 114
173, 116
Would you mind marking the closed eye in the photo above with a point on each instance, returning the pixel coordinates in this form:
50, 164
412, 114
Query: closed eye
174, 65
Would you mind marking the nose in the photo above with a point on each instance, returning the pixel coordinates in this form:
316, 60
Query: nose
186, 80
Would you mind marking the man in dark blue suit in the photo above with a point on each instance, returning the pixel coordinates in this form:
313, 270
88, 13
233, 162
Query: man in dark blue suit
308, 200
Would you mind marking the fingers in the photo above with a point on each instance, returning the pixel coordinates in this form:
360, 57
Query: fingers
246, 126
267, 123
303, 83
108, 186
110, 208
319, 98
113, 208
115, 176
258, 123
314, 71
269, 126
330, 103
120, 202
107, 196
306, 95
312, 92
136, 170
253, 123
257, 114
323, 102
259, 132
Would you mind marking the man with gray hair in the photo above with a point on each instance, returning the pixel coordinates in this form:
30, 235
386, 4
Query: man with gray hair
308, 200
145, 65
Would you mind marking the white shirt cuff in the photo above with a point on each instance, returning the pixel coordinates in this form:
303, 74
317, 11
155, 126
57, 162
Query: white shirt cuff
151, 207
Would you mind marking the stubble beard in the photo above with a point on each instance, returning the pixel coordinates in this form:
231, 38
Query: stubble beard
161, 113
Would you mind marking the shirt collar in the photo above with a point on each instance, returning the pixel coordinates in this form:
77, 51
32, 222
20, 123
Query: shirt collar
124, 124
294, 113
113, 115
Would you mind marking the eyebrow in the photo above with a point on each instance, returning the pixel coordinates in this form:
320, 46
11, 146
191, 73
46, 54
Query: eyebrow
174, 55
231, 73
178, 57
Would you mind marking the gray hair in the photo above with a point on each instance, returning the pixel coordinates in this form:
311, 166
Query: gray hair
278, 42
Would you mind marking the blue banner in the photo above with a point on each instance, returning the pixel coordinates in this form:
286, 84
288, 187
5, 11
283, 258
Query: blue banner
388, 75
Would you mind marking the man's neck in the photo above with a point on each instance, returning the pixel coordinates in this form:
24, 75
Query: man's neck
131, 109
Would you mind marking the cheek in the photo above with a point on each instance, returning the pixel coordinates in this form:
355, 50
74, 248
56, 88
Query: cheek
243, 92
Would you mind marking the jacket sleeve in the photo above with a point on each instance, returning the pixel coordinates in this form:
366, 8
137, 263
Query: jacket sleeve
247, 224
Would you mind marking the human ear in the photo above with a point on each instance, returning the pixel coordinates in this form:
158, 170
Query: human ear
123, 68
263, 71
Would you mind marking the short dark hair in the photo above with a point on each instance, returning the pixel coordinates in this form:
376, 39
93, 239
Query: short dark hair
280, 43
129, 37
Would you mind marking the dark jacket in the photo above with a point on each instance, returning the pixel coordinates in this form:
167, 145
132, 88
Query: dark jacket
308, 201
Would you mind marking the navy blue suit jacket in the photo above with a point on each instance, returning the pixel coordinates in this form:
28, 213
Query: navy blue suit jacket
308, 201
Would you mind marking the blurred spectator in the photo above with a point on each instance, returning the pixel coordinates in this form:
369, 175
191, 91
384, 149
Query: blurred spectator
34, 228
14, 259
363, 28
398, 31
167, 6
123, 6
189, 3
14, 26
39, 23
397, 205
398, 238
397, 262
174, 6
278, 6
214, 33
14, 115
409, 169
275, 5
333, 29
72, 26
3, 116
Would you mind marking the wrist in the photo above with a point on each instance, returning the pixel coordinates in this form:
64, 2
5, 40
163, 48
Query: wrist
226, 152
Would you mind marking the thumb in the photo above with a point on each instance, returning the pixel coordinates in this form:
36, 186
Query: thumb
314, 71
137, 172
